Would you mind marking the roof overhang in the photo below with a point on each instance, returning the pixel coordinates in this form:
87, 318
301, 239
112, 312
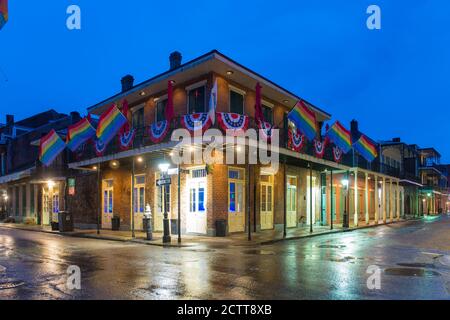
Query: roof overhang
214, 62
17, 175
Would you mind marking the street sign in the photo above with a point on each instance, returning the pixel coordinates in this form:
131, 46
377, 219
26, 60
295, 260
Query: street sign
163, 182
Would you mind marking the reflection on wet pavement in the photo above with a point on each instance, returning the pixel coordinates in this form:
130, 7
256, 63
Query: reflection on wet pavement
34, 266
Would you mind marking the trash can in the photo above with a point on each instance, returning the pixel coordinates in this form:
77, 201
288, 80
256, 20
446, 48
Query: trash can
221, 228
115, 223
174, 226
346, 220
65, 221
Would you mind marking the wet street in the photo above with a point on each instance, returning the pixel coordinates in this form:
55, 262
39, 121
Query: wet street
413, 257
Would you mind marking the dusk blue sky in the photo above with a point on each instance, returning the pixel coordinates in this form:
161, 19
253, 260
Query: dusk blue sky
393, 81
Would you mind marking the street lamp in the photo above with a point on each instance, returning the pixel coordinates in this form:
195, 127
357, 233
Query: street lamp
164, 168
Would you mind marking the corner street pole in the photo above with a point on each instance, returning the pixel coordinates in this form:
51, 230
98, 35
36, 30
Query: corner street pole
99, 209
165, 192
331, 198
179, 203
133, 199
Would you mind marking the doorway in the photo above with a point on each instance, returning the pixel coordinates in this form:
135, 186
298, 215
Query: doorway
197, 215
266, 205
291, 202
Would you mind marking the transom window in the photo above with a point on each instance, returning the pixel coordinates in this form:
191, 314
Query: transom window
236, 101
198, 173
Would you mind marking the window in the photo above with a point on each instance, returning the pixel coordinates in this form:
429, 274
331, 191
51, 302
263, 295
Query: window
192, 199
236, 190
139, 194
236, 102
196, 100
24, 200
17, 200
3, 164
201, 199
267, 113
32, 199
161, 109
108, 196
55, 203
138, 119
198, 173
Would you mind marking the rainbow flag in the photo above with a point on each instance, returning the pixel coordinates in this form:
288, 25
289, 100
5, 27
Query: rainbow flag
340, 136
366, 148
50, 146
304, 119
3, 12
79, 133
110, 124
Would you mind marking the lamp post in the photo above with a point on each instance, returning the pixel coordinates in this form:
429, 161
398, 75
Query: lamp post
164, 168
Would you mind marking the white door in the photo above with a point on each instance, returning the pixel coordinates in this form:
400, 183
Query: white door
55, 205
196, 215
139, 201
236, 200
159, 206
266, 204
291, 201
107, 203
46, 205
308, 201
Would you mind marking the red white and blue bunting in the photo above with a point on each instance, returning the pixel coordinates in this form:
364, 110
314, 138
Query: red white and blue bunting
319, 148
337, 154
296, 140
189, 121
126, 139
265, 130
158, 131
237, 123
99, 147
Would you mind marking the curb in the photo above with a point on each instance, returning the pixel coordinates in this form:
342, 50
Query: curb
259, 243
95, 237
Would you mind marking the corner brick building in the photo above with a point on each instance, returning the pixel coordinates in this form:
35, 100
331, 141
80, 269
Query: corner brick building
249, 196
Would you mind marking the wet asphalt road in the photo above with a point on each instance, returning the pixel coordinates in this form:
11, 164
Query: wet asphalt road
414, 259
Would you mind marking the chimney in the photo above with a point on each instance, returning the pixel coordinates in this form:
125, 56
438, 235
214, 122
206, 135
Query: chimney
396, 140
175, 60
9, 119
127, 82
354, 127
75, 117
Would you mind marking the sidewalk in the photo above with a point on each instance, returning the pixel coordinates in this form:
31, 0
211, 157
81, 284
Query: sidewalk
241, 239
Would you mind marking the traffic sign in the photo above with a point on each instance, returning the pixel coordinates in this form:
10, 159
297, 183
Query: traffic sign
163, 182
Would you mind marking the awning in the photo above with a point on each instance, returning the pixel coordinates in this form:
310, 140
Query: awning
17, 175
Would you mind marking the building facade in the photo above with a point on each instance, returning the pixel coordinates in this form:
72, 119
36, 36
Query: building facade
32, 193
308, 188
304, 184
